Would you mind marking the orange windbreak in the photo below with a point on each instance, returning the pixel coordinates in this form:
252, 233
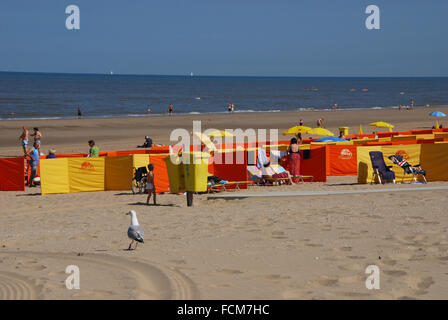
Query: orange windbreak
232, 171
161, 181
316, 164
12, 174
341, 160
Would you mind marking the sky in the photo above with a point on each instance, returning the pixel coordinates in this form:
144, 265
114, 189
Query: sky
226, 37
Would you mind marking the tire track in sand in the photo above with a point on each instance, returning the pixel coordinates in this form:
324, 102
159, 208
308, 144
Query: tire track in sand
149, 280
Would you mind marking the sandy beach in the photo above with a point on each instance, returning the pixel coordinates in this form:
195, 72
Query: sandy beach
310, 247
71, 136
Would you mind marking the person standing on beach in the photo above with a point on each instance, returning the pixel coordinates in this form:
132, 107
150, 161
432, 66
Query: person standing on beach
94, 151
233, 107
150, 186
79, 112
170, 109
335, 106
412, 104
229, 107
148, 111
24, 138
301, 122
33, 153
37, 137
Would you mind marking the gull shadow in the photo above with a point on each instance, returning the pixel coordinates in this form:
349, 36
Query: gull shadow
153, 205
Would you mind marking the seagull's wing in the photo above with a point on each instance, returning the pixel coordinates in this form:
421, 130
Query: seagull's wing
136, 233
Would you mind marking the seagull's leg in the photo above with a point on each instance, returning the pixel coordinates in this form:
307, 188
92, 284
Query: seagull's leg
130, 245
136, 243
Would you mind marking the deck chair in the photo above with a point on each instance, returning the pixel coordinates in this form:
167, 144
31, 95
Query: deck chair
254, 174
408, 168
380, 170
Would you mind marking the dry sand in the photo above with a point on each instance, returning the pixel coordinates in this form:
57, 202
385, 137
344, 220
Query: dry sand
314, 247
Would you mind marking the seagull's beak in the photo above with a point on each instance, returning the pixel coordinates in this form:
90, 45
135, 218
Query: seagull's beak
127, 213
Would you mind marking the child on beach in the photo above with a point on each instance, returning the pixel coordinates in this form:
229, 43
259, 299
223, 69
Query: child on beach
94, 151
150, 184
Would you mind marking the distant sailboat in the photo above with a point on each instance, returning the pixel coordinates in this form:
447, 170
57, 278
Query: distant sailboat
111, 73
191, 74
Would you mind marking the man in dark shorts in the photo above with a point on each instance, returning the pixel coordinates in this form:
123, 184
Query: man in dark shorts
170, 109
79, 112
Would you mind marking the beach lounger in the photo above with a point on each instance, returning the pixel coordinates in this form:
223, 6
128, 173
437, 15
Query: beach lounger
222, 186
380, 170
415, 171
256, 175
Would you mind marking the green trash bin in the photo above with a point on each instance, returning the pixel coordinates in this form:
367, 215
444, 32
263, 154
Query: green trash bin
196, 171
176, 175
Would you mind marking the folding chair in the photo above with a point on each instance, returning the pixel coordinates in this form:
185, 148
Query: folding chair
380, 170
408, 168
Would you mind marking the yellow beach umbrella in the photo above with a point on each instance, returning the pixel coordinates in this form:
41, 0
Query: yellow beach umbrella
205, 140
381, 124
360, 129
219, 133
321, 132
296, 130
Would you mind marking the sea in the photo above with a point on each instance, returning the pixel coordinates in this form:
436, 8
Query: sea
57, 96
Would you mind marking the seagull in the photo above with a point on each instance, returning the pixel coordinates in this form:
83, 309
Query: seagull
135, 232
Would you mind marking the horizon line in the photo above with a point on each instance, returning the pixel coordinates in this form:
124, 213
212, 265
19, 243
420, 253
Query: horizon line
223, 76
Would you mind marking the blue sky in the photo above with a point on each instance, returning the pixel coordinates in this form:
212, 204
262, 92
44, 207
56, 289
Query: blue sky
226, 37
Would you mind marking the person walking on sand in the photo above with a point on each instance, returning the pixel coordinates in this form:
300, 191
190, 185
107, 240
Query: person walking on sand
412, 104
229, 107
170, 109
33, 153
24, 139
79, 112
94, 151
150, 184
335, 107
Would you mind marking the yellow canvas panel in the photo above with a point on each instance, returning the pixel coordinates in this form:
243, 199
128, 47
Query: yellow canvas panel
425, 136
387, 139
404, 137
359, 141
140, 160
118, 172
280, 147
86, 174
54, 176
344, 142
434, 160
441, 135
409, 152
305, 146
365, 168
